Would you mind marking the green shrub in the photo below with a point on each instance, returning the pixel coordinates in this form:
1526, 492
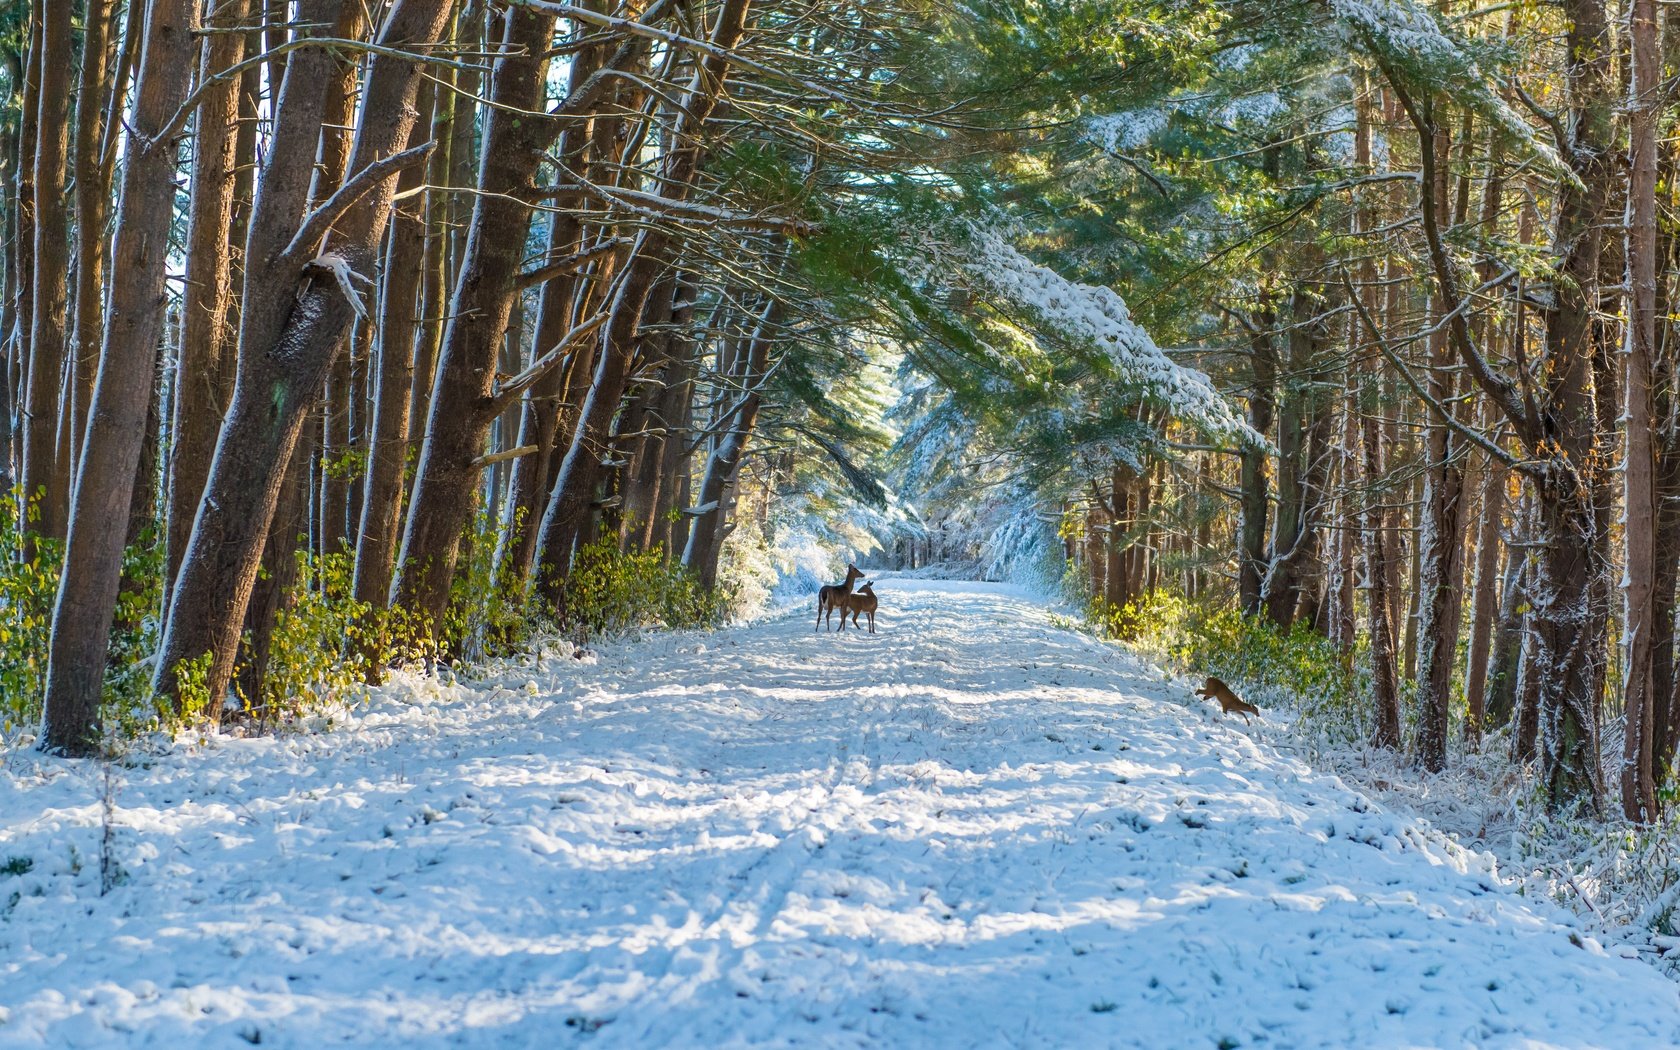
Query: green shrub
192, 688
135, 632
489, 613
28, 588
326, 646
314, 657
1325, 681
611, 591
28, 591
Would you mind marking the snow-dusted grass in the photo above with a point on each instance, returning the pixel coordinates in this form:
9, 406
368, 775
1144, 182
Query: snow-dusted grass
974, 828
1621, 879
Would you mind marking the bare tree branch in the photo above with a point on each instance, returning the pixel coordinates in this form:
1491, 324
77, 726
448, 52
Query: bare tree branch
318, 222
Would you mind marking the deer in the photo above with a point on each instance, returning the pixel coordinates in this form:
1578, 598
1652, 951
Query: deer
827, 595
863, 601
1228, 700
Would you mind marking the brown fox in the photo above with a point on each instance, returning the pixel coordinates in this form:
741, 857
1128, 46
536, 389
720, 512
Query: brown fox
864, 601
826, 597
1228, 700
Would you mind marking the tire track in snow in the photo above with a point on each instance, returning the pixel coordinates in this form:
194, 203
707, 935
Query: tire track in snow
970, 829
757, 890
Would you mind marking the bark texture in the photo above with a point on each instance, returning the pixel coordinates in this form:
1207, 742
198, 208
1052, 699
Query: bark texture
87, 597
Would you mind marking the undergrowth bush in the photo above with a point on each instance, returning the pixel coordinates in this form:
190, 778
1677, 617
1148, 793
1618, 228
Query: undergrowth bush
326, 646
127, 699
610, 591
1325, 683
324, 649
28, 590
317, 651
489, 613
747, 563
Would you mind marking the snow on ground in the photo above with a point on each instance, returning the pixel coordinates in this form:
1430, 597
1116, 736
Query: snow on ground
971, 829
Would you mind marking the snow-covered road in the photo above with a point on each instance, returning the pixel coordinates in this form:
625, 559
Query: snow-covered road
971, 829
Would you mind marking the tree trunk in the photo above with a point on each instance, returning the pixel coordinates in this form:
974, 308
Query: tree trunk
1525, 740
1666, 726
455, 107
201, 390
116, 428
1485, 599
642, 478
278, 578
23, 256
462, 406
1385, 683
676, 410
706, 535
1639, 524
541, 407
12, 204
399, 333
1303, 437
1096, 528
656, 470
333, 506
93, 178
1340, 615
464, 402
290, 327
1120, 522
1502, 685
1139, 555
568, 508
1485, 596
328, 490
401, 328
1441, 528
1255, 484
46, 471
1571, 640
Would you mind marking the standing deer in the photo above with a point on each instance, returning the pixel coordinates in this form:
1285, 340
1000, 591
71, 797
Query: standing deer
862, 602
829, 593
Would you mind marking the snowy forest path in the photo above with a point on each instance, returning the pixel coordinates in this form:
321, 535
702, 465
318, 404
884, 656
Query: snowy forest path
973, 828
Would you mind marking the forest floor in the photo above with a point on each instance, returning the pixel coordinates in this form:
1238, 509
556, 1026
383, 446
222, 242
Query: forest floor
974, 828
